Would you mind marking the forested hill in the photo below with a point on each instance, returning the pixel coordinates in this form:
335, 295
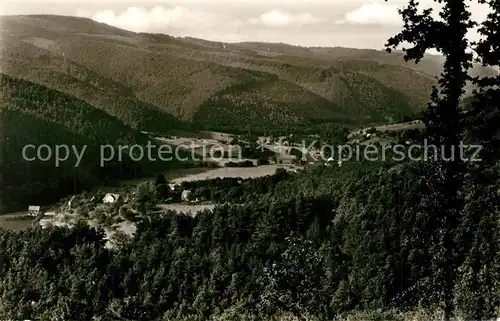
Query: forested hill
37, 115
146, 79
27, 98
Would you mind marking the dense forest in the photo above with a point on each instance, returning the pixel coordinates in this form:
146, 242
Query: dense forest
322, 243
370, 240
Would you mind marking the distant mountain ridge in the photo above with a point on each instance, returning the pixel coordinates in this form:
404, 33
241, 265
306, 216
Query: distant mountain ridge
156, 82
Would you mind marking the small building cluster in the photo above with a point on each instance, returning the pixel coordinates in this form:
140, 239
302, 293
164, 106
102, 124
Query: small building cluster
111, 198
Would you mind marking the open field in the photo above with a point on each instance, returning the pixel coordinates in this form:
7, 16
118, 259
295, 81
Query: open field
11, 221
169, 176
211, 142
389, 128
196, 174
401, 126
243, 172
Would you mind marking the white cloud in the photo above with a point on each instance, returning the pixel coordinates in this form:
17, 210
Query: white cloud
303, 22
277, 18
159, 18
433, 52
373, 13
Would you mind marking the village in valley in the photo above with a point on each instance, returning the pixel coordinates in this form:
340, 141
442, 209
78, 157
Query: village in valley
117, 209
117, 213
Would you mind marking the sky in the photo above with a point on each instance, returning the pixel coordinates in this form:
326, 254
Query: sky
353, 23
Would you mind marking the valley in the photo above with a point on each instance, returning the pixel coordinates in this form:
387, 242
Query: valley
77, 82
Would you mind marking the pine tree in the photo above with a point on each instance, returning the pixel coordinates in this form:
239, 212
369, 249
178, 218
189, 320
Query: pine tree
476, 289
441, 201
161, 186
484, 112
160, 179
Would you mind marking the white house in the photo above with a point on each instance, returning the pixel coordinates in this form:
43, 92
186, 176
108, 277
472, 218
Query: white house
33, 210
186, 195
111, 198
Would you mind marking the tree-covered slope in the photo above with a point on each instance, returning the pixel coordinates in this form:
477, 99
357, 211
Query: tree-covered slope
36, 115
144, 79
115, 98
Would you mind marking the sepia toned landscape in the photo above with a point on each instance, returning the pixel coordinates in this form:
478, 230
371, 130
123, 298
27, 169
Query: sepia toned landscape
152, 170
